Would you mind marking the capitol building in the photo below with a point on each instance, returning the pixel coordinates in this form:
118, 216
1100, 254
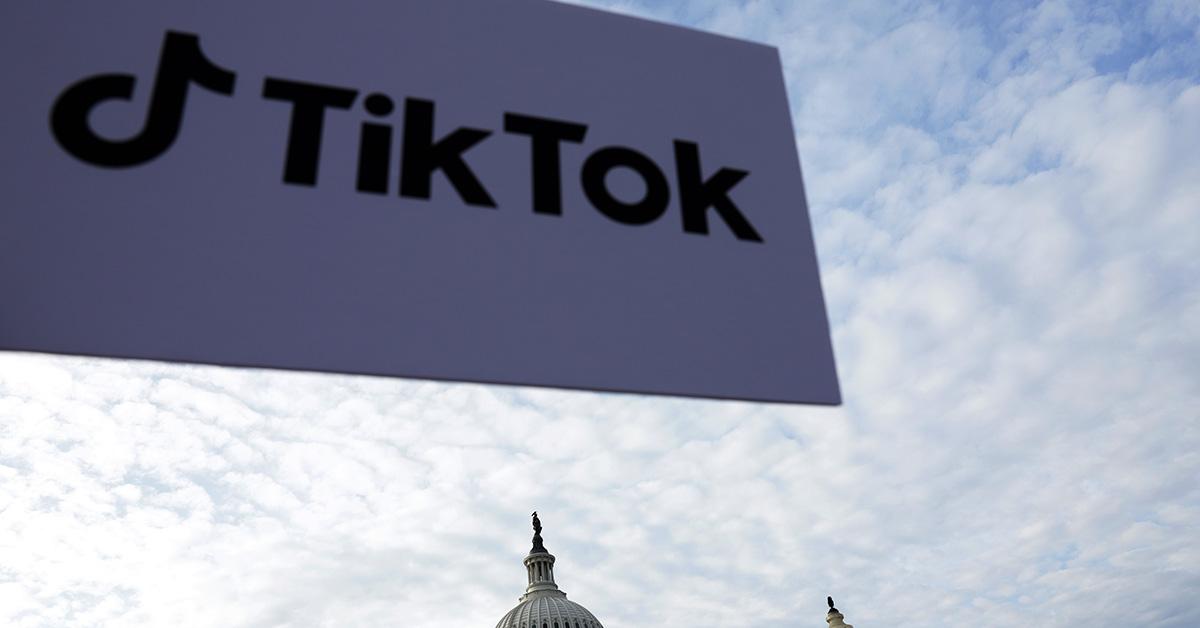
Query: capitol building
544, 605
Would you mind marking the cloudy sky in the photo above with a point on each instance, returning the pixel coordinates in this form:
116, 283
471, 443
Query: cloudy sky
1006, 201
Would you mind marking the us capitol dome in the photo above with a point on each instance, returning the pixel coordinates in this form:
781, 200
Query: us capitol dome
545, 606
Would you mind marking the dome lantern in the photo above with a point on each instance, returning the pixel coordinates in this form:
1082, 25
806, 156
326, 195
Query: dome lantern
539, 565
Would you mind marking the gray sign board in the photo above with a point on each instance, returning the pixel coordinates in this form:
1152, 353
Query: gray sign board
516, 191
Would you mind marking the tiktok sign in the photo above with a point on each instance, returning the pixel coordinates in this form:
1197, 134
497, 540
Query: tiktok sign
523, 192
183, 64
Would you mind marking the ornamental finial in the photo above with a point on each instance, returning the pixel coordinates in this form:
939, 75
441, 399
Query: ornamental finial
538, 548
835, 617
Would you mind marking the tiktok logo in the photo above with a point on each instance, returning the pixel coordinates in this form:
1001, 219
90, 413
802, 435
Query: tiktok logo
422, 153
182, 64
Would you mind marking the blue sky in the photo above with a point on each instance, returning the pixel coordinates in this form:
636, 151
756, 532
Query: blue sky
1006, 201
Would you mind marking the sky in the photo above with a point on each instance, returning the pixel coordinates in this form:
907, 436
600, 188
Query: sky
1006, 205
